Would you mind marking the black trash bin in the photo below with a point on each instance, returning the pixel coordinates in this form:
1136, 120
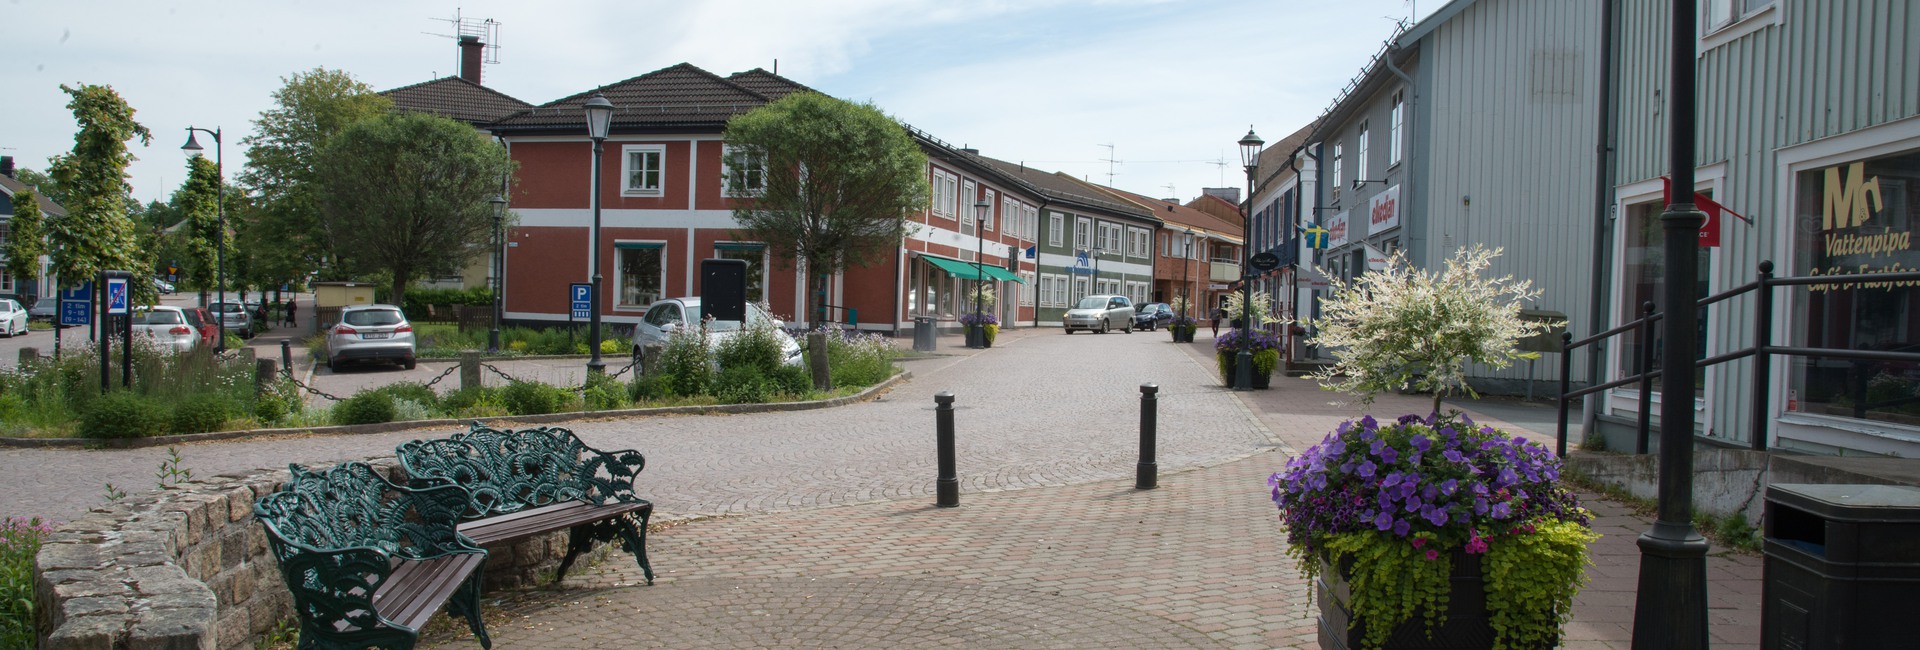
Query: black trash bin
924, 334
1842, 566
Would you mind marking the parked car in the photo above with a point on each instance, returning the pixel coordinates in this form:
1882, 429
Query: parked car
370, 333
162, 286
47, 308
167, 326
1100, 313
236, 317
664, 317
202, 320
13, 317
1152, 316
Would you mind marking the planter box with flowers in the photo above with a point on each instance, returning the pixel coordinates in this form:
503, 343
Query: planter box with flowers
1266, 356
1430, 531
989, 324
1183, 328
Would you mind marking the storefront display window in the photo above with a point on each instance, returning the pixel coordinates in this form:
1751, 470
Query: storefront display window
1643, 266
1852, 218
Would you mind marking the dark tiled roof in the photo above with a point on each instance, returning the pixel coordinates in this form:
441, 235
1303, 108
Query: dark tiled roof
1273, 160
47, 206
1173, 213
766, 83
1064, 189
456, 98
680, 96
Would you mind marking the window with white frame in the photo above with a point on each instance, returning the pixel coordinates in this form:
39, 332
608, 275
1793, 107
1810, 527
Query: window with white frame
1360, 170
1031, 215
1083, 233
1079, 290
1718, 14
945, 192
1137, 292
743, 170
1333, 171
967, 197
1140, 242
1110, 237
986, 220
1109, 287
1393, 129
644, 168
1009, 213
1054, 228
641, 273
1032, 287
755, 254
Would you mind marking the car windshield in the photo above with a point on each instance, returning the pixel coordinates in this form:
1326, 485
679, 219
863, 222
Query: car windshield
158, 318
373, 317
1092, 302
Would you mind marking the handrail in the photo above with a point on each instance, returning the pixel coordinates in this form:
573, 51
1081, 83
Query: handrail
1762, 349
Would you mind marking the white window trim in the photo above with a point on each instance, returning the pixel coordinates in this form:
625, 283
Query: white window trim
1031, 214
1396, 124
971, 191
619, 279
1056, 229
626, 169
1711, 178
1360, 150
1082, 233
945, 190
1032, 287
1715, 36
993, 203
766, 268
726, 175
1333, 172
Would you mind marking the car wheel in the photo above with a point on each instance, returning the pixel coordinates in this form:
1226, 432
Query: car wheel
1104, 326
410, 363
1066, 330
1128, 328
333, 364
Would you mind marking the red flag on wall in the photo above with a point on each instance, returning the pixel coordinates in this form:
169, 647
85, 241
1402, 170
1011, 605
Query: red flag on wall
1709, 231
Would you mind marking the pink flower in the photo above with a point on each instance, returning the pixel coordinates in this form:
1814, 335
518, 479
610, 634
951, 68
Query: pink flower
1432, 554
1419, 542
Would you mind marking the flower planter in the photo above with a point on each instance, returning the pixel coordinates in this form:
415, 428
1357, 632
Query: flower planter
1229, 363
1467, 626
1182, 335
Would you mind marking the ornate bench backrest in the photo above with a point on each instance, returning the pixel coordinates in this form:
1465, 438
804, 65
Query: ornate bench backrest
346, 506
508, 471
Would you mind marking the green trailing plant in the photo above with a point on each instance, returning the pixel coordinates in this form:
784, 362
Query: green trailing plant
1528, 593
20, 539
1389, 583
1404, 327
366, 407
1266, 361
173, 471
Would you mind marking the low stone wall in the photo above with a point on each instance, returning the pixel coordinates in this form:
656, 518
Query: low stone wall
188, 567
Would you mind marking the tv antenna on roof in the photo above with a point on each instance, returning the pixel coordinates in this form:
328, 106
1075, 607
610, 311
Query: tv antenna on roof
1221, 163
486, 30
1110, 161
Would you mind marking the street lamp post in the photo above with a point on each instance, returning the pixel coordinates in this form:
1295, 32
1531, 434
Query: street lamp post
977, 332
193, 148
599, 118
1243, 362
499, 270
1671, 599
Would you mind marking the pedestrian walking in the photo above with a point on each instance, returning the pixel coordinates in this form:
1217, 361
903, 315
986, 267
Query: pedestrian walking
291, 321
1214, 323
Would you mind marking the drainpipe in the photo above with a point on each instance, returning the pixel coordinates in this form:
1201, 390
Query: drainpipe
1603, 203
1406, 182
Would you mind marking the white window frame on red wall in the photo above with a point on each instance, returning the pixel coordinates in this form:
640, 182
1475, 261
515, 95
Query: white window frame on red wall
627, 169
726, 172
945, 186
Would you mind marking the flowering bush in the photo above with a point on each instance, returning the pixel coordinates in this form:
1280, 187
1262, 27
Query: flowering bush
1399, 498
19, 542
983, 318
1229, 343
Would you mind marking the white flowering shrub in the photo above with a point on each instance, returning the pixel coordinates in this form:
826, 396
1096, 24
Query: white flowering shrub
1262, 308
1403, 327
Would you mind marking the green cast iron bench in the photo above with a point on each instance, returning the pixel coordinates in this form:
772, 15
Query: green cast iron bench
535, 481
369, 562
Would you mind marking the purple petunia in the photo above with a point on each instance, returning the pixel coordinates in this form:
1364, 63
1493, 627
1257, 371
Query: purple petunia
1384, 521
1435, 516
1365, 470
1400, 527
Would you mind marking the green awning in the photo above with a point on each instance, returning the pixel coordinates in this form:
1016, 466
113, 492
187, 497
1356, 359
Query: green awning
966, 270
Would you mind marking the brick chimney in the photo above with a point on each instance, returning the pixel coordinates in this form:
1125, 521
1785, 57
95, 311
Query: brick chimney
470, 50
6, 166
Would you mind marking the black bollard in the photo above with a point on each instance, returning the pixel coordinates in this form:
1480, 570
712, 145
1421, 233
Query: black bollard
947, 487
286, 356
1146, 476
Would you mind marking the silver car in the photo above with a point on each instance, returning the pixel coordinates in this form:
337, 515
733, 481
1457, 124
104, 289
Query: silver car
1100, 313
234, 317
167, 326
370, 332
665, 317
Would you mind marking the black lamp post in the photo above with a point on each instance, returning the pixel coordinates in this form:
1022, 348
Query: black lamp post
599, 118
1670, 606
193, 148
499, 270
977, 332
1243, 362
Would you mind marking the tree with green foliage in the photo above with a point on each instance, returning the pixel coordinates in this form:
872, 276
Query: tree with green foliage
824, 182
42, 184
97, 233
409, 195
197, 202
283, 156
26, 238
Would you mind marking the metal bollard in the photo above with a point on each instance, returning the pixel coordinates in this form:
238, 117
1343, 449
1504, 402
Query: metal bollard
1147, 474
947, 487
286, 356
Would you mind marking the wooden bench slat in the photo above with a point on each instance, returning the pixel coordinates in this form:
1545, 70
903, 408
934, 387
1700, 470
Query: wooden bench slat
534, 521
417, 588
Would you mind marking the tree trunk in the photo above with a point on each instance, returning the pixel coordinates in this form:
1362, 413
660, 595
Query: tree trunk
816, 297
401, 277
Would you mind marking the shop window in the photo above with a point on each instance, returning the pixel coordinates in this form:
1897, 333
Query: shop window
642, 273
1643, 267
1856, 218
756, 257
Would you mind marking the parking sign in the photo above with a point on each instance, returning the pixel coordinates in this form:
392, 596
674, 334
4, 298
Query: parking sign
117, 298
581, 295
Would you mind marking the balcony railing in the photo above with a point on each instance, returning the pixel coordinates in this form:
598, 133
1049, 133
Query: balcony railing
1225, 271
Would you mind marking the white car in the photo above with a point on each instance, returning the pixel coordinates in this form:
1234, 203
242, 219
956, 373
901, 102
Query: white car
167, 326
664, 317
1100, 313
13, 318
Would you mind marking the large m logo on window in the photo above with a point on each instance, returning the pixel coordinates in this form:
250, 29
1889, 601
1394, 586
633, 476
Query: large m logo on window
1845, 205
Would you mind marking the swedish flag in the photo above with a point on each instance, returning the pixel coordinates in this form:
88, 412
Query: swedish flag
1315, 235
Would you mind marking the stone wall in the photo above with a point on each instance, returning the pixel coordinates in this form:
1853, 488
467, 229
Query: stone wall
188, 567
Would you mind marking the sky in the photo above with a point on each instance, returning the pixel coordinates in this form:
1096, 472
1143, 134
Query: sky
1171, 85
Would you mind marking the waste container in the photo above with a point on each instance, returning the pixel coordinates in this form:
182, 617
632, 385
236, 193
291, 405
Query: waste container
924, 334
1842, 567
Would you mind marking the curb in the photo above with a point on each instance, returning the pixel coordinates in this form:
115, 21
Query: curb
388, 427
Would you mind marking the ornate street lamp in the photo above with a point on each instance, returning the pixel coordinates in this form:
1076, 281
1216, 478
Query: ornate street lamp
977, 332
499, 270
193, 148
1243, 362
599, 119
